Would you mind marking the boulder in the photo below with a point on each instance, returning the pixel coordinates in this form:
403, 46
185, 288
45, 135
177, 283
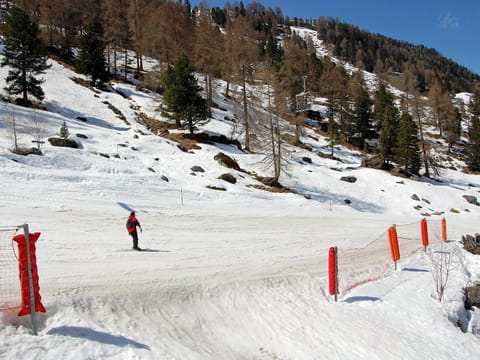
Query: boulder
27, 151
228, 178
226, 161
471, 199
218, 188
63, 142
472, 297
197, 168
350, 179
471, 243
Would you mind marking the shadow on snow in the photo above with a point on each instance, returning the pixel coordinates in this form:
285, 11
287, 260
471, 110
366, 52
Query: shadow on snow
95, 335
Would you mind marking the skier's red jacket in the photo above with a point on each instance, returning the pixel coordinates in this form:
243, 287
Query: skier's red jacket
132, 224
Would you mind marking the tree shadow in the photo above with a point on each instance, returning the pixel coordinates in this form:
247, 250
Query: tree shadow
354, 299
125, 206
69, 113
414, 270
98, 336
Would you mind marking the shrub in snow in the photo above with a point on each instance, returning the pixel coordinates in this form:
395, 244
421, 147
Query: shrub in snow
442, 263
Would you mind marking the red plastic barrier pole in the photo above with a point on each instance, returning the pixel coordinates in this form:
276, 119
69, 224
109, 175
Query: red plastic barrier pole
24, 265
394, 249
332, 271
424, 230
444, 229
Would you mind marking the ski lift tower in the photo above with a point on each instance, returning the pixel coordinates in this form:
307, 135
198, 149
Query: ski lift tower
304, 77
303, 99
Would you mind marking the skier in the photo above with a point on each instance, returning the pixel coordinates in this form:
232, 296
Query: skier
132, 224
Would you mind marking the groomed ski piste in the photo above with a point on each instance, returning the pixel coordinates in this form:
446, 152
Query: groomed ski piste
235, 274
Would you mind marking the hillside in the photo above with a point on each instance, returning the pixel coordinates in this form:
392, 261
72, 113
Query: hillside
380, 54
125, 104
233, 271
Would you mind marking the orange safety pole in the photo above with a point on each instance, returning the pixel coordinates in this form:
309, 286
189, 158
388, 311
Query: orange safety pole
394, 249
332, 271
444, 229
424, 230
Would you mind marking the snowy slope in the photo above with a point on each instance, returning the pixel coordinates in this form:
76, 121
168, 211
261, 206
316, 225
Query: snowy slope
235, 274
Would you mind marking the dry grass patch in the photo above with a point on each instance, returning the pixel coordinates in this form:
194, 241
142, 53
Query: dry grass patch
270, 188
157, 127
270, 185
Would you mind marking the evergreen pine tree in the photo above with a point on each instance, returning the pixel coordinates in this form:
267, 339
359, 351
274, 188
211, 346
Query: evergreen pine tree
407, 151
388, 133
474, 106
385, 118
473, 148
315, 69
383, 100
452, 125
182, 100
188, 9
24, 54
333, 134
219, 16
272, 52
91, 57
64, 133
363, 115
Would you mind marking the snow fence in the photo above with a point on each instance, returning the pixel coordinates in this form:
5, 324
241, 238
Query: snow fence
349, 268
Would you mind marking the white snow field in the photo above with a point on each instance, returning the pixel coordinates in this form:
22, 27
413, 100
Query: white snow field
235, 274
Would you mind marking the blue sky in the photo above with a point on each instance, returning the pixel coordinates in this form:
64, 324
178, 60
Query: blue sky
451, 27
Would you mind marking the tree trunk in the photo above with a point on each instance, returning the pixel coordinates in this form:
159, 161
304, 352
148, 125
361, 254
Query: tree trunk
331, 134
422, 142
50, 27
109, 61
245, 112
208, 89
298, 130
278, 163
125, 67
190, 124
24, 83
272, 138
115, 61
210, 96
138, 56
14, 125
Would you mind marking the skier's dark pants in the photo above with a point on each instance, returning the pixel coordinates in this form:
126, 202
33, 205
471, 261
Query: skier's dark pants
134, 236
